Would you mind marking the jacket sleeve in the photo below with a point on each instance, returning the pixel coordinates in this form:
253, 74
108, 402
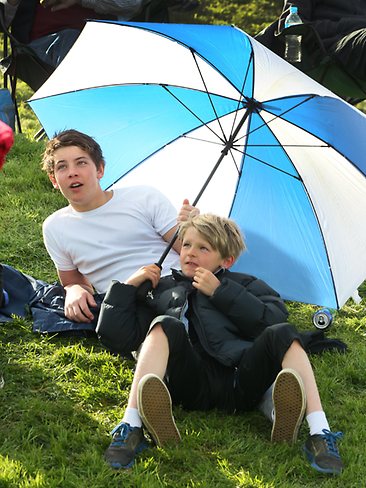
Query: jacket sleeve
122, 325
251, 306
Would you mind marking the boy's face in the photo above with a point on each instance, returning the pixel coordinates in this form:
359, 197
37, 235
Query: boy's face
77, 177
196, 253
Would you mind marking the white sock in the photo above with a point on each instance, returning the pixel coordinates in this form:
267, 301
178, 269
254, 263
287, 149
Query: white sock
132, 417
317, 422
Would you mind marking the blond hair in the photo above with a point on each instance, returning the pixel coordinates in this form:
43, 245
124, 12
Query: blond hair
221, 233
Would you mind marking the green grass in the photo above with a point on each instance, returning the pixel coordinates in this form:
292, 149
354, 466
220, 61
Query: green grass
63, 395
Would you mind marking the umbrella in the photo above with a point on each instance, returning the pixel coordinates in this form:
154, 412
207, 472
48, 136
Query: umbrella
171, 104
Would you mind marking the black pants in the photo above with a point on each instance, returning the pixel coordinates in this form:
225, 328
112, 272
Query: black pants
198, 382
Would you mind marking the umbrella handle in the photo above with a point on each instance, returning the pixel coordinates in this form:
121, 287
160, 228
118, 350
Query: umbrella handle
146, 286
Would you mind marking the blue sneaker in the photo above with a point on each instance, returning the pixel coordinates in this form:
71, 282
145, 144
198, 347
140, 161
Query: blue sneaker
127, 442
322, 452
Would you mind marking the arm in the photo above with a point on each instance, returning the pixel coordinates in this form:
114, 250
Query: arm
123, 323
251, 305
185, 212
79, 296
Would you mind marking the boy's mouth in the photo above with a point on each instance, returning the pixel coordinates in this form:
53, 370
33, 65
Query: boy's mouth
76, 185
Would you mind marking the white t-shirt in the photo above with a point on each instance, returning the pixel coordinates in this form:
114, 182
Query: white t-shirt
112, 241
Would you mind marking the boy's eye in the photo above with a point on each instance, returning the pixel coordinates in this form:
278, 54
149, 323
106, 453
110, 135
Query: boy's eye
60, 167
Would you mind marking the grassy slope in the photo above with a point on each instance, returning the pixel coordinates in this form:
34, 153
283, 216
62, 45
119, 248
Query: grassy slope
62, 395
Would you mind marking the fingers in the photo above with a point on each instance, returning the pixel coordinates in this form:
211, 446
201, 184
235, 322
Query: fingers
79, 312
187, 211
77, 304
151, 272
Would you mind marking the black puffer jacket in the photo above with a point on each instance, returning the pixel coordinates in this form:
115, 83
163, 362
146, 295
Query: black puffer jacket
240, 309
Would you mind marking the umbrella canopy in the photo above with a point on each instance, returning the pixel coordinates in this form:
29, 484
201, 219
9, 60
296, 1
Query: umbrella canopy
171, 104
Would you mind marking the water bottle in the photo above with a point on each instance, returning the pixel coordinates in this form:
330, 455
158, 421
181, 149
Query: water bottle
293, 42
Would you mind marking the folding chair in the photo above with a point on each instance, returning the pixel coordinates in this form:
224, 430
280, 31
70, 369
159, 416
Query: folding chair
321, 65
22, 63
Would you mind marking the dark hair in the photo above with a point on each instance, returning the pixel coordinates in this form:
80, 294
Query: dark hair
71, 137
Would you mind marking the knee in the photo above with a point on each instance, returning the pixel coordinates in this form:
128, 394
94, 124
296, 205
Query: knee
282, 329
156, 331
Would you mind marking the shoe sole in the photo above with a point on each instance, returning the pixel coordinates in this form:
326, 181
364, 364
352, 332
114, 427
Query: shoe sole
155, 408
289, 405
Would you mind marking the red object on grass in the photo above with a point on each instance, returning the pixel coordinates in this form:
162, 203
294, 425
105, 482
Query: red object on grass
6, 141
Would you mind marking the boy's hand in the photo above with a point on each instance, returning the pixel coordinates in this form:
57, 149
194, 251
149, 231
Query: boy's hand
77, 303
187, 211
146, 273
205, 281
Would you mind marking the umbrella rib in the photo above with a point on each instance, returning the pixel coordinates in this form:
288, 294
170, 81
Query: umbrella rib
194, 115
275, 116
208, 95
242, 97
271, 165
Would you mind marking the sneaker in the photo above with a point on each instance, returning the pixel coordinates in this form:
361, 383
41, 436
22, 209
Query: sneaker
289, 402
322, 452
155, 409
127, 442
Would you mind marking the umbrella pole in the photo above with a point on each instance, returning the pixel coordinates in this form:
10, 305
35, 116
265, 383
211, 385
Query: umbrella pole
251, 106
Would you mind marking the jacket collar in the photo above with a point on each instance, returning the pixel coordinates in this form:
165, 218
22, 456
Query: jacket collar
179, 276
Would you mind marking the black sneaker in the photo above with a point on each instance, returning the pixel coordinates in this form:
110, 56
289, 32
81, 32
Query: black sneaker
289, 402
127, 442
155, 409
322, 452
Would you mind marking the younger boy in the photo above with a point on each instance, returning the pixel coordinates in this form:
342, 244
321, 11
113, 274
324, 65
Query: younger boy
102, 234
212, 345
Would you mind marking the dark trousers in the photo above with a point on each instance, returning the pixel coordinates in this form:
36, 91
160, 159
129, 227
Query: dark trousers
198, 382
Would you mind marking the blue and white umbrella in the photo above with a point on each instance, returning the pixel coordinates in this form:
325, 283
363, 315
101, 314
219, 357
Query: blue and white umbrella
171, 104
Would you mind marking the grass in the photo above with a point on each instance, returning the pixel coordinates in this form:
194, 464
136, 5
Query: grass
62, 395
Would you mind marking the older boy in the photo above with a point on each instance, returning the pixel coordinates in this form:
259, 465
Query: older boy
216, 348
101, 235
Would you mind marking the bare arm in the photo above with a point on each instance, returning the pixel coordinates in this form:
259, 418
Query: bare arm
185, 212
168, 236
79, 296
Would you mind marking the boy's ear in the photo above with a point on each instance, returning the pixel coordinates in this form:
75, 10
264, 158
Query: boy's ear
53, 181
100, 171
228, 262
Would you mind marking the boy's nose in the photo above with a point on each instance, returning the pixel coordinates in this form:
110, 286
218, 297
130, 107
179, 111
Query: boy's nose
72, 171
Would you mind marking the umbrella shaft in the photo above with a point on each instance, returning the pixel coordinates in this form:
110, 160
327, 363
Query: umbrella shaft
224, 152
